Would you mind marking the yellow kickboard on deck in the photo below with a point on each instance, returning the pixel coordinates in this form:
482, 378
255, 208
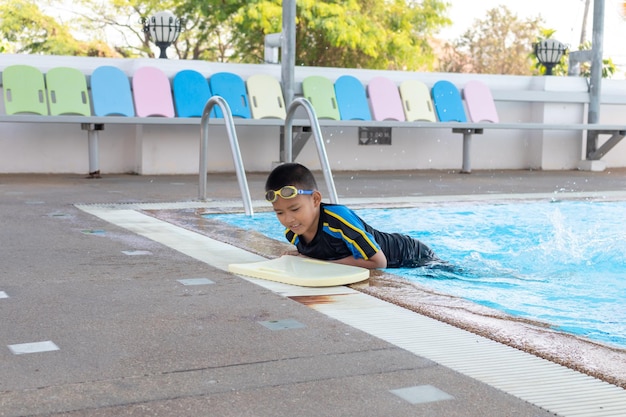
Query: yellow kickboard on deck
300, 271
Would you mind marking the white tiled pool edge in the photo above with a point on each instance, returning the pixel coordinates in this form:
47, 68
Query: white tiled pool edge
553, 387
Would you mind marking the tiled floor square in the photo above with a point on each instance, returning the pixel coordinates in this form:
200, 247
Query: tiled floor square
136, 252
93, 232
36, 347
196, 281
421, 394
282, 324
58, 214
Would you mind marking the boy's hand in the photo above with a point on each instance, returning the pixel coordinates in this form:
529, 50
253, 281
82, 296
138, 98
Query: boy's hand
293, 253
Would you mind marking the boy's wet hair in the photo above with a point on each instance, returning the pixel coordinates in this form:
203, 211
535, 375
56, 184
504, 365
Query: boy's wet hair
290, 173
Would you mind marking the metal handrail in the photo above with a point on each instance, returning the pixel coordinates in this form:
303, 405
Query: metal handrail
234, 146
319, 142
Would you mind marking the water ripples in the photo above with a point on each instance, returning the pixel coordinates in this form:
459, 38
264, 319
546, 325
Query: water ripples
563, 263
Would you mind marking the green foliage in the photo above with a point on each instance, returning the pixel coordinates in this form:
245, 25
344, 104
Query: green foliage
382, 34
608, 67
122, 20
378, 34
26, 29
208, 28
206, 31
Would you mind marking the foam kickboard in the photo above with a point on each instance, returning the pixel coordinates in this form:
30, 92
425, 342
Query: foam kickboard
301, 271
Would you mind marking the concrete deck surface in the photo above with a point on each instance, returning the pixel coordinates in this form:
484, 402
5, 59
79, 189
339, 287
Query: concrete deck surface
133, 341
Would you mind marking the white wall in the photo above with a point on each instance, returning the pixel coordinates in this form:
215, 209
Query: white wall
159, 149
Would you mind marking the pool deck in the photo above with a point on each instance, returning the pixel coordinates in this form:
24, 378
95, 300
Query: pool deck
127, 325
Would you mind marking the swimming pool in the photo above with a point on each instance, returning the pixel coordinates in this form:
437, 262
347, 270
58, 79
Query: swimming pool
562, 263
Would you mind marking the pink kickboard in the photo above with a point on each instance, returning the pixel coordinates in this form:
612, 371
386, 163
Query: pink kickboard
385, 100
152, 93
480, 104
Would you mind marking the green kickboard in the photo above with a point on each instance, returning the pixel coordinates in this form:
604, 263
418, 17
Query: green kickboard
300, 271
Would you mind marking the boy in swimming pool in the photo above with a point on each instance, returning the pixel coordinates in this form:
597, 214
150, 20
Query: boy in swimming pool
333, 232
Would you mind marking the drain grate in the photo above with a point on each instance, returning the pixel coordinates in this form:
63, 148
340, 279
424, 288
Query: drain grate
546, 384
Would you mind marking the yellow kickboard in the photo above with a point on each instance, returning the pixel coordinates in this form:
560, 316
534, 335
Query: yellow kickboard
300, 271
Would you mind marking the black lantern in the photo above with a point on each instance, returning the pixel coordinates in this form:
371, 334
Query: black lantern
163, 28
549, 53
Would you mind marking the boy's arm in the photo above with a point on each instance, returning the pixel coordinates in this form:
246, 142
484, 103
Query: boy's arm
342, 223
379, 260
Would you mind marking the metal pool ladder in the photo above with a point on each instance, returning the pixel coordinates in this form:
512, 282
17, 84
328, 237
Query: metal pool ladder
234, 147
319, 142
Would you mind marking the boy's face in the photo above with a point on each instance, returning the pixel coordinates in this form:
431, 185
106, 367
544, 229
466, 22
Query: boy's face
300, 214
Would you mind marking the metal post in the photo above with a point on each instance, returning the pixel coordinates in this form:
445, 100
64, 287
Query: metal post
595, 84
94, 164
467, 151
467, 132
575, 58
270, 49
288, 62
92, 137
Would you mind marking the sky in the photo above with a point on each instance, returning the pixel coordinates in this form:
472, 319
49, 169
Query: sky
565, 16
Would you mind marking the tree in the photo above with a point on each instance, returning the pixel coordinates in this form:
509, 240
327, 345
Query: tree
204, 35
383, 34
379, 34
499, 44
26, 29
120, 20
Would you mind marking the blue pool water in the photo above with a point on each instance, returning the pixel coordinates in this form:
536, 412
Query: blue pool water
563, 263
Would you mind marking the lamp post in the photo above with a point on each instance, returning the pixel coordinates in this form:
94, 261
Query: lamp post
549, 53
163, 28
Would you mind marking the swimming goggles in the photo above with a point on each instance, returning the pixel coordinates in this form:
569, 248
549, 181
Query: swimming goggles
287, 192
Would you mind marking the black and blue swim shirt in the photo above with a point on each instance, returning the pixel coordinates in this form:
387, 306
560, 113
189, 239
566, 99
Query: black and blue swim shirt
342, 233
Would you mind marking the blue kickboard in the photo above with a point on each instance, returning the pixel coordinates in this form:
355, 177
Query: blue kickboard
191, 92
111, 94
352, 99
448, 102
232, 88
